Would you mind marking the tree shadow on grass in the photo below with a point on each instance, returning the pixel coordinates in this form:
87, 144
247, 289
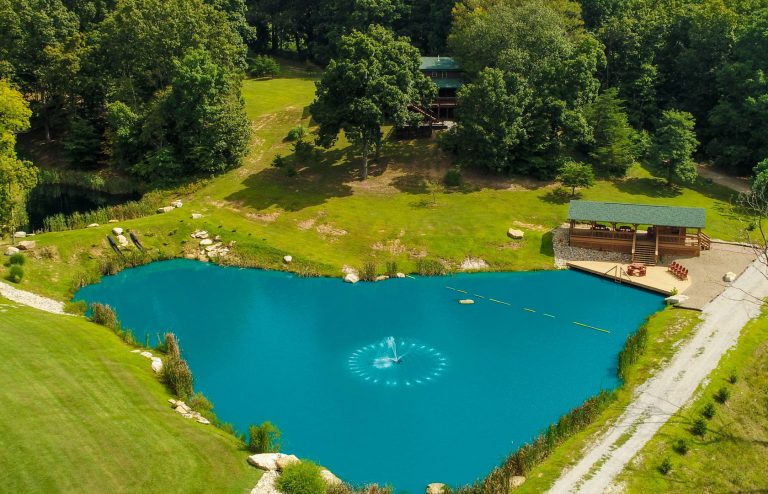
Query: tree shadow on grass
546, 247
647, 186
318, 179
559, 195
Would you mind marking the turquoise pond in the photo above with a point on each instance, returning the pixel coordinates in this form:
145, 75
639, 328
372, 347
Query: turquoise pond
311, 355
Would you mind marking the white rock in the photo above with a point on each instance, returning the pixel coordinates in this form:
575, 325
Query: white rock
136, 351
93, 225
676, 299
351, 278
165, 209
473, 264
202, 420
400, 275
382, 277
200, 234
11, 251
146, 354
466, 301
435, 488
516, 481
206, 241
172, 402
266, 484
515, 233
157, 364
265, 461
329, 477
287, 259
117, 230
286, 460
177, 204
122, 240
27, 245
727, 277
20, 234
112, 221
196, 216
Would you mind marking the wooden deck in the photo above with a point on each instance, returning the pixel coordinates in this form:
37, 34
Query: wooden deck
657, 279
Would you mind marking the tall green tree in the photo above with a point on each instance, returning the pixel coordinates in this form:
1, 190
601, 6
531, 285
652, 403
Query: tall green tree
674, 143
17, 176
612, 150
375, 79
491, 139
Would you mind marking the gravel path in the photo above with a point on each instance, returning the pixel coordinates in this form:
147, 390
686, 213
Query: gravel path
661, 396
30, 299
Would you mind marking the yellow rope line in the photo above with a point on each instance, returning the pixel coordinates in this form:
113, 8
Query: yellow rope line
499, 301
590, 327
456, 289
527, 309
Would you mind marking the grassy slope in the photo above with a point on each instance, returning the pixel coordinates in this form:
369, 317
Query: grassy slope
733, 455
666, 329
390, 216
80, 413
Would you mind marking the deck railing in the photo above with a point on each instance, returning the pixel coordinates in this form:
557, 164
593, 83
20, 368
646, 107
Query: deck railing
602, 234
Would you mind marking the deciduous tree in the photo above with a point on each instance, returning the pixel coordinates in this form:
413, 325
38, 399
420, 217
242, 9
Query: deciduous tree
673, 145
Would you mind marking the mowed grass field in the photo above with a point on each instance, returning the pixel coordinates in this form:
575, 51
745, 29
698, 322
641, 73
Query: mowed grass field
733, 455
327, 217
80, 413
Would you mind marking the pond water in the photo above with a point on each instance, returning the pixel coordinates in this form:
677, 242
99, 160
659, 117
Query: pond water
470, 383
49, 199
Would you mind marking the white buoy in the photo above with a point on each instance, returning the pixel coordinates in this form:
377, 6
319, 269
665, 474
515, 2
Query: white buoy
466, 301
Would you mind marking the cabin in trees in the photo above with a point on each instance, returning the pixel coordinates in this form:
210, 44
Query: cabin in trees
447, 75
646, 232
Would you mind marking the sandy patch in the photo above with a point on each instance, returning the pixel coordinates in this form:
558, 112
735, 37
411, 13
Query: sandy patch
265, 217
327, 229
530, 226
306, 224
473, 264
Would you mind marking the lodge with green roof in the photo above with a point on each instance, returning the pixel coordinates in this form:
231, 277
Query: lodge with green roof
448, 76
645, 231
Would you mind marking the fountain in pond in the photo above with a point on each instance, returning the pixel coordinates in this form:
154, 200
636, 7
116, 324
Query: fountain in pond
397, 361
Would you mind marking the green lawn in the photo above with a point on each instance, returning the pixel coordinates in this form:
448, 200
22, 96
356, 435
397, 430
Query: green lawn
733, 455
80, 413
327, 218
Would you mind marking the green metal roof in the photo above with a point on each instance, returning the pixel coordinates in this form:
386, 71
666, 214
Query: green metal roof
439, 63
448, 83
637, 214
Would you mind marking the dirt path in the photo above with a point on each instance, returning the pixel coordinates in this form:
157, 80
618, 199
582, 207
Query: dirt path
30, 299
739, 184
660, 397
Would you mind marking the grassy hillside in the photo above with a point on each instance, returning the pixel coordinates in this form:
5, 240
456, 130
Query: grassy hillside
733, 454
80, 413
325, 217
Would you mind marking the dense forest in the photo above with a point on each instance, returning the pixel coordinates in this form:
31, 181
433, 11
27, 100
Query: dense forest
152, 87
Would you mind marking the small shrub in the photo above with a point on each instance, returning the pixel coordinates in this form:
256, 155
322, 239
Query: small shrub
264, 438
278, 161
18, 259
708, 411
633, 349
171, 345
199, 403
290, 171
722, 395
368, 271
104, 315
77, 307
391, 268
297, 133
178, 377
733, 377
453, 178
301, 478
665, 466
15, 273
699, 427
304, 150
680, 446
429, 267
263, 66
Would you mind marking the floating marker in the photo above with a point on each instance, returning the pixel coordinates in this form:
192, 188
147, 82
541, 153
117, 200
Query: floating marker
478, 296
409, 276
499, 301
456, 289
528, 310
549, 315
590, 327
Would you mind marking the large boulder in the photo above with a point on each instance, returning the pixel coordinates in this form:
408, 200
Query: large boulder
27, 245
117, 230
20, 234
329, 477
729, 277
206, 241
286, 460
122, 240
157, 364
287, 259
351, 278
267, 484
177, 204
165, 209
11, 250
676, 299
401, 275
196, 216
265, 461
93, 225
515, 234
435, 488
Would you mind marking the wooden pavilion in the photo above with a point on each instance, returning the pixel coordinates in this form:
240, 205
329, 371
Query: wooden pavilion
645, 231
